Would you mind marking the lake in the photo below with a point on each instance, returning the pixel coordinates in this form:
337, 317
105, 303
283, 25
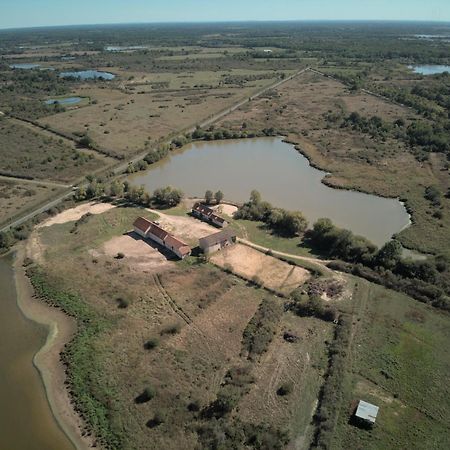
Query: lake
430, 69
88, 75
282, 175
63, 101
26, 421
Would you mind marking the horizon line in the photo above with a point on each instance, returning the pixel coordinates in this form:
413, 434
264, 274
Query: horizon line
231, 21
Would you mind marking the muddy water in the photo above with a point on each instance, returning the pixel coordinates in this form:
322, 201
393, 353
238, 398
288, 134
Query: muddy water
283, 177
26, 422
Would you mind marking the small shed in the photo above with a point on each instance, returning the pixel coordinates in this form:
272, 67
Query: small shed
217, 241
366, 412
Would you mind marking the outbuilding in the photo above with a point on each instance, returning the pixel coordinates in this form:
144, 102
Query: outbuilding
366, 413
217, 241
206, 213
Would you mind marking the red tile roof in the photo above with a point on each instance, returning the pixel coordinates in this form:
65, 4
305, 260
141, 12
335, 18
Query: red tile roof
158, 231
141, 223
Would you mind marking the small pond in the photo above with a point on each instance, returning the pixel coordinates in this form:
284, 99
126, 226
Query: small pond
64, 101
282, 175
88, 75
24, 66
430, 69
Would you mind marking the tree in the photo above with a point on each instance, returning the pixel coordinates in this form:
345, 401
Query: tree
209, 197
218, 196
167, 196
255, 197
116, 189
389, 255
295, 222
6, 239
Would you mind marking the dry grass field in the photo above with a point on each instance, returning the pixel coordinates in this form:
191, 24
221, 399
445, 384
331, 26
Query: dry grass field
24, 152
128, 120
18, 196
195, 315
355, 160
254, 265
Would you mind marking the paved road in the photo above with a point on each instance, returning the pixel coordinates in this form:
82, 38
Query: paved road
119, 169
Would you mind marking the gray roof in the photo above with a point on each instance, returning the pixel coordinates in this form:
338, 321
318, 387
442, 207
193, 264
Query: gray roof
367, 411
216, 238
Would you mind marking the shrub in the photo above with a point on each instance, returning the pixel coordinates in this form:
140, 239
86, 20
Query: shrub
151, 344
173, 328
285, 389
120, 255
122, 302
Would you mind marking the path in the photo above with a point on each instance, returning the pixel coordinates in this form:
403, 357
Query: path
320, 262
37, 182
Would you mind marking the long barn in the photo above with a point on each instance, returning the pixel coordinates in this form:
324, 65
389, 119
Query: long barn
150, 230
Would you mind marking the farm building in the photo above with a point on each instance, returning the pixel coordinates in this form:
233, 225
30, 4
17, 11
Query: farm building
150, 230
217, 241
203, 212
366, 413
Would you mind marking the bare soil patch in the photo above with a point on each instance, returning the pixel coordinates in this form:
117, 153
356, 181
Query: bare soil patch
76, 213
139, 254
254, 265
186, 228
227, 210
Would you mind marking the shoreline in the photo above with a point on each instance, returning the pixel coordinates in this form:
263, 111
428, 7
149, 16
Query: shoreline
61, 329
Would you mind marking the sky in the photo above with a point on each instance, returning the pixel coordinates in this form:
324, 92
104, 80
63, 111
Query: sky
28, 13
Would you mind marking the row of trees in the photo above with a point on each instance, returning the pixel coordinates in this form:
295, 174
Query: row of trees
211, 197
283, 222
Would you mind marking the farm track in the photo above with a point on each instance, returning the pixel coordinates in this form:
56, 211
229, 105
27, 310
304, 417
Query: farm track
171, 302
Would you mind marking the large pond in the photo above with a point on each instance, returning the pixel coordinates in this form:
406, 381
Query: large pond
88, 75
430, 69
26, 421
282, 175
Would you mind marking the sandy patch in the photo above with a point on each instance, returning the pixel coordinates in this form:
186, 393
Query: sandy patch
251, 264
227, 210
139, 253
76, 213
186, 228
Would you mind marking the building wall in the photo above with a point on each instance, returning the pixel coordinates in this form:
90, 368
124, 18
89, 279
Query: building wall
139, 232
156, 239
212, 249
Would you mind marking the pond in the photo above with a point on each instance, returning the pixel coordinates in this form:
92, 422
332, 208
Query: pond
88, 75
63, 101
24, 66
430, 69
282, 175
26, 421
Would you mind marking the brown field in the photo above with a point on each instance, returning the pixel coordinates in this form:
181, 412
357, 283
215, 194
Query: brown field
18, 196
40, 155
126, 121
254, 265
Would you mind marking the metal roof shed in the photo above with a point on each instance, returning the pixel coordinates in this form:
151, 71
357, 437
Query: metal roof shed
366, 411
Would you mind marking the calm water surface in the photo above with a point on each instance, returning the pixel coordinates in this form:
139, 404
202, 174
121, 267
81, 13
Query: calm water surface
430, 70
88, 75
26, 422
63, 101
24, 66
283, 177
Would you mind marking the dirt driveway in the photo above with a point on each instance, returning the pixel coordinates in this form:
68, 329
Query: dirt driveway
251, 264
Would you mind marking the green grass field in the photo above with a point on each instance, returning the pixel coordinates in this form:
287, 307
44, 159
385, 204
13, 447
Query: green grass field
399, 361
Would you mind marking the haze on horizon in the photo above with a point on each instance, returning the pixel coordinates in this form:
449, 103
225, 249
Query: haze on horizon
29, 13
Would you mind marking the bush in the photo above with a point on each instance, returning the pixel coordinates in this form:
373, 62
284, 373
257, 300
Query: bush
120, 255
173, 328
151, 344
122, 302
285, 389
